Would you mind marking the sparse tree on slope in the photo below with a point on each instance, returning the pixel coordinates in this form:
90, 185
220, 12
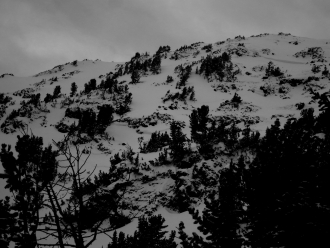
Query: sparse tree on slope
156, 65
135, 77
177, 144
57, 92
74, 88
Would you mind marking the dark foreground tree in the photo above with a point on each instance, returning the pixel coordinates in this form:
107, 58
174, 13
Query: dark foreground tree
28, 175
7, 223
288, 204
81, 208
222, 214
75, 208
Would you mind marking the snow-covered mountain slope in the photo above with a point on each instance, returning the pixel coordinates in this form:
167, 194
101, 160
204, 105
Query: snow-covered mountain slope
252, 59
301, 63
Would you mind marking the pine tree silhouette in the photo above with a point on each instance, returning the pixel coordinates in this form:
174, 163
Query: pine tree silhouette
150, 234
57, 92
27, 177
74, 89
177, 144
222, 215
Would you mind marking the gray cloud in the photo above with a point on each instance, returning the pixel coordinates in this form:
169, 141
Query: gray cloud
39, 34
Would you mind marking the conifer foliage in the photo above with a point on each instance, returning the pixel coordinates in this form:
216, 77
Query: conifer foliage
273, 71
57, 92
157, 141
223, 212
74, 89
286, 186
7, 222
135, 77
150, 234
104, 117
181, 96
218, 67
183, 74
177, 144
200, 133
156, 65
27, 176
91, 85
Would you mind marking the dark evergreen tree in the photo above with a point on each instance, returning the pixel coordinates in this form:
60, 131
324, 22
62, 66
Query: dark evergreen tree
74, 89
150, 234
57, 92
114, 243
239, 185
213, 66
184, 75
221, 216
231, 140
169, 79
48, 98
272, 71
109, 84
225, 57
246, 137
120, 71
192, 95
177, 144
104, 117
116, 159
135, 77
184, 239
7, 223
290, 215
137, 160
27, 176
183, 93
156, 142
137, 55
199, 131
4, 99
236, 99
87, 122
123, 107
91, 85
181, 199
34, 100
156, 65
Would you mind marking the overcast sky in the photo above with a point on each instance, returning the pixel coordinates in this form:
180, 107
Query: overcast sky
36, 35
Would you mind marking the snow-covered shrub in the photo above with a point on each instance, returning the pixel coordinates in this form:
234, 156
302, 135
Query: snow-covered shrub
272, 71
292, 81
267, 89
313, 52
